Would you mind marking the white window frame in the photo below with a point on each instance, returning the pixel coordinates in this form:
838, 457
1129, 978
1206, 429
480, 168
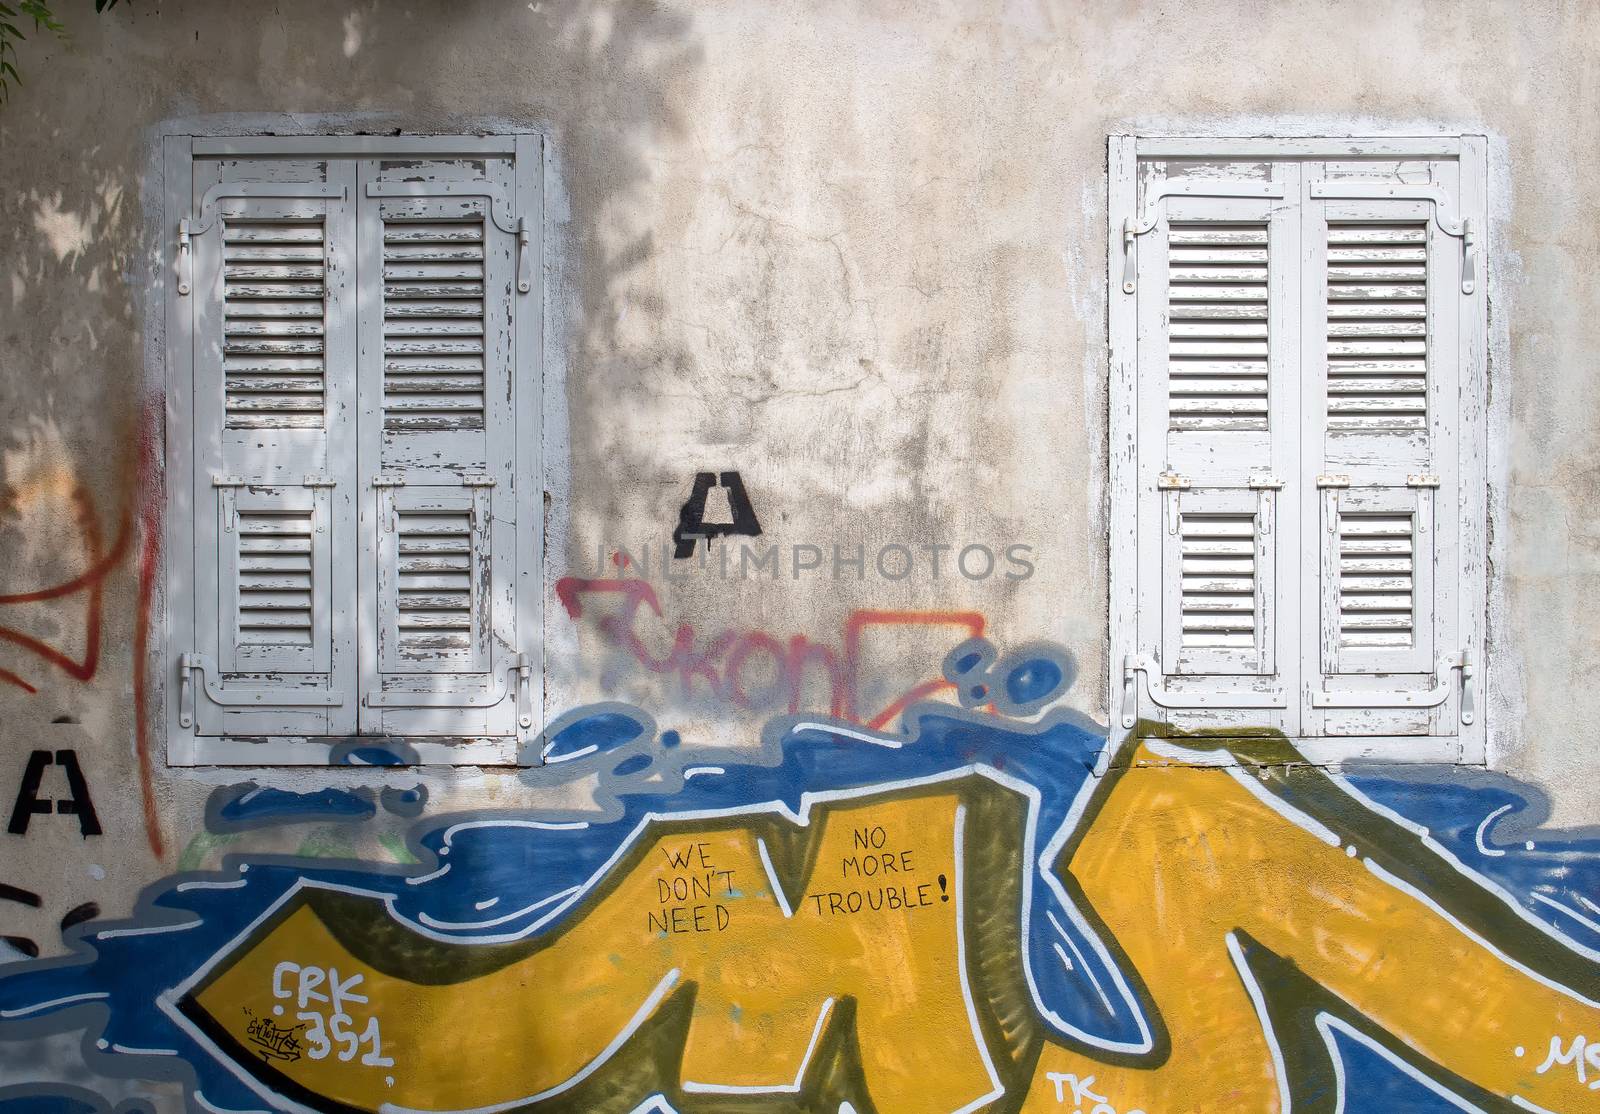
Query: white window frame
1468, 745
184, 748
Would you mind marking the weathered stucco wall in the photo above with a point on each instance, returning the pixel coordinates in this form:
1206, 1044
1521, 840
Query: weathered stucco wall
853, 252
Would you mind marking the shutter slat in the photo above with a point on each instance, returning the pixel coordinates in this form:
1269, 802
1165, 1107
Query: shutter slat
1230, 276
309, 252
402, 310
403, 232
1416, 256
431, 289
1377, 386
1244, 235
432, 253
1371, 326
241, 232
1377, 233
437, 325
437, 272
1241, 329
273, 327
1207, 387
307, 307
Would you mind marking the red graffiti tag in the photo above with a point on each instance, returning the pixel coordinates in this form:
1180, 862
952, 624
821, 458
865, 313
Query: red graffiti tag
721, 660
90, 582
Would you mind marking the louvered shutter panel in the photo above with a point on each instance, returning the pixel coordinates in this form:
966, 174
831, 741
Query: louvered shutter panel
439, 405
1216, 433
1384, 346
272, 330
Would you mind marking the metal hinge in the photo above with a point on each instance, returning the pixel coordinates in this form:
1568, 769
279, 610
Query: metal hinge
380, 483
520, 665
228, 487
1135, 664
1172, 483
1157, 192
209, 676
1422, 479
1430, 697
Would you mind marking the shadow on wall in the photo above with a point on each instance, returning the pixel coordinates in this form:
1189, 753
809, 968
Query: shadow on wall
962, 916
70, 368
80, 444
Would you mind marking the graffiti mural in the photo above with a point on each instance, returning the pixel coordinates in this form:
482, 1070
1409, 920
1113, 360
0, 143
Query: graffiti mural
759, 670
993, 909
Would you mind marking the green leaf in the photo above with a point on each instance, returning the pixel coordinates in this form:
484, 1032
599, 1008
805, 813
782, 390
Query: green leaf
12, 31
7, 67
43, 18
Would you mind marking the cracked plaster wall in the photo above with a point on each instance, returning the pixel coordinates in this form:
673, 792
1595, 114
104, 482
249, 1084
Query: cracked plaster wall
853, 251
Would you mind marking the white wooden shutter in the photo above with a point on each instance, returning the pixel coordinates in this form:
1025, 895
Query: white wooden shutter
267, 272
1383, 310
1310, 313
1213, 276
439, 403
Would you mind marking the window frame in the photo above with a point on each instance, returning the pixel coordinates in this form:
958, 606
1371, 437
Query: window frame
1467, 745
174, 613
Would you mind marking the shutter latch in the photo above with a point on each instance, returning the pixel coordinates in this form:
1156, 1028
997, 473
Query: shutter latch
187, 664
524, 263
1129, 262
184, 262
1463, 662
524, 670
1469, 256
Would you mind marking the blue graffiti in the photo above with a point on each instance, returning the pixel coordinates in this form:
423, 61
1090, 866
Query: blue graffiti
238, 807
504, 876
